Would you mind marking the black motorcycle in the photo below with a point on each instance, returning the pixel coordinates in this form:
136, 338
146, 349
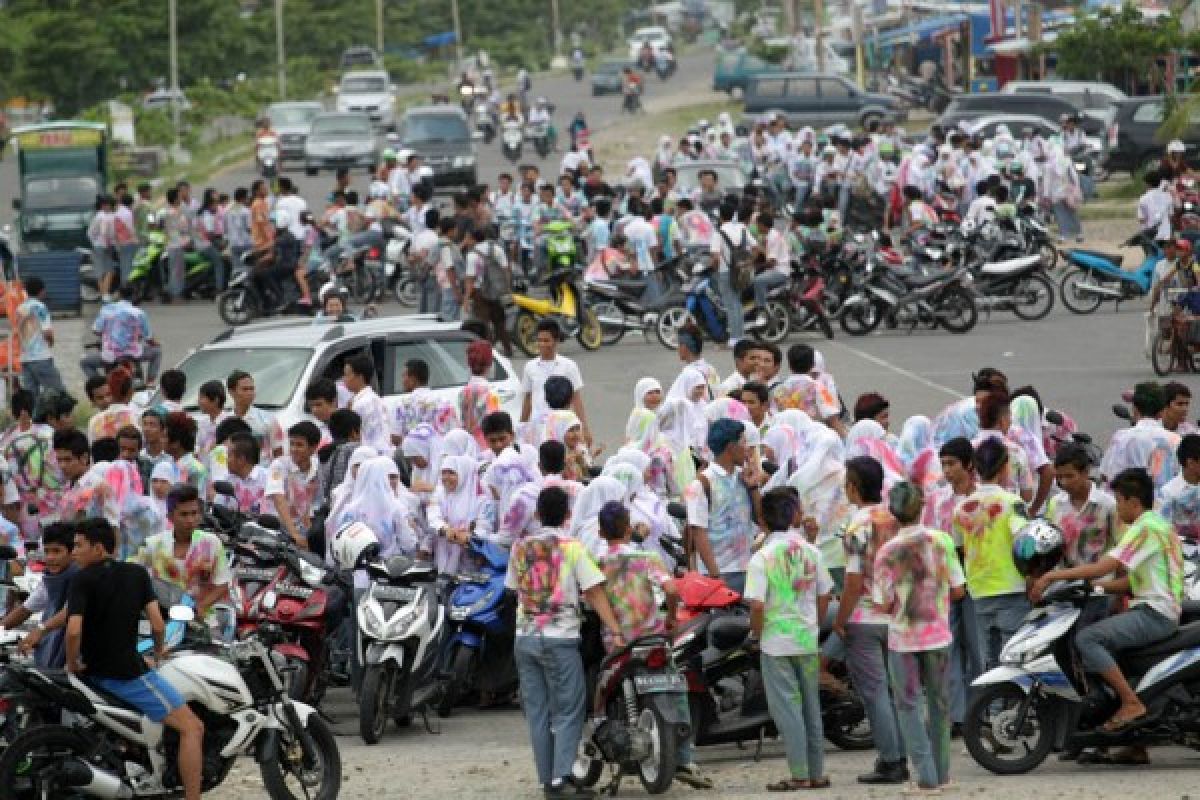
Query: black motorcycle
621, 305
909, 299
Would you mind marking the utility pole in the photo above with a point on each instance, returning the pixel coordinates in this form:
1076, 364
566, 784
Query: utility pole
458, 42
557, 28
173, 24
859, 56
279, 50
379, 27
819, 33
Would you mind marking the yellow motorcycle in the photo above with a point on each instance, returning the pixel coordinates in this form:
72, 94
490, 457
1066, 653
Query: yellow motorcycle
564, 303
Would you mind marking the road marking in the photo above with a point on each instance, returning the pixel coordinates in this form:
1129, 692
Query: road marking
912, 376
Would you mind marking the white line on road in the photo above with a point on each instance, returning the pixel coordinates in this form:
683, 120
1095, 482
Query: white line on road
912, 376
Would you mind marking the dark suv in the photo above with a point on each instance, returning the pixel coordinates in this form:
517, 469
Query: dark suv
1138, 145
810, 98
1047, 106
441, 136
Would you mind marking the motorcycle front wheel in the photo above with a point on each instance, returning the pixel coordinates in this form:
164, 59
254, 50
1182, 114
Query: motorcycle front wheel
373, 702
295, 780
613, 331
458, 681
957, 312
669, 323
408, 293
237, 306
990, 733
859, 320
27, 766
657, 770
1075, 296
525, 333
1035, 298
779, 323
590, 335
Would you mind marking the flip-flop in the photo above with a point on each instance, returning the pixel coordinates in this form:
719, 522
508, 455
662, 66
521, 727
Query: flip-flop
1119, 724
789, 785
818, 783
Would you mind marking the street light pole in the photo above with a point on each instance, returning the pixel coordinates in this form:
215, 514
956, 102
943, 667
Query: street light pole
282, 62
172, 24
379, 27
458, 42
557, 28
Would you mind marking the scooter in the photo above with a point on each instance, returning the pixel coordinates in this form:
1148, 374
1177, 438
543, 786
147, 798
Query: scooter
564, 303
511, 139
539, 134
150, 264
481, 618
702, 304
620, 303
266, 153
485, 124
1016, 285
1039, 697
401, 627
1097, 276
944, 300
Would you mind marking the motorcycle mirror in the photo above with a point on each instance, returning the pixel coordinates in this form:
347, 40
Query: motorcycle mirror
677, 510
1122, 412
224, 488
1053, 417
181, 614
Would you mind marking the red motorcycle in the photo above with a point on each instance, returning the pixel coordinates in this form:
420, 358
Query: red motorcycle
275, 582
1187, 208
807, 300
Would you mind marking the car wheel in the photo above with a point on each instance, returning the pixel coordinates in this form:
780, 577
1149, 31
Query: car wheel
871, 119
310, 171
737, 93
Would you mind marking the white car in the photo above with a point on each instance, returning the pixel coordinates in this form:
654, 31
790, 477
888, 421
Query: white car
285, 356
370, 92
656, 35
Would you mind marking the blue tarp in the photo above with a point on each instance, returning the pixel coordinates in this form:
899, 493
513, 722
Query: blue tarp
922, 31
439, 39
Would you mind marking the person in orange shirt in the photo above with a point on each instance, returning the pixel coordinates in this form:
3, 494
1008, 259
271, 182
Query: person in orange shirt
262, 232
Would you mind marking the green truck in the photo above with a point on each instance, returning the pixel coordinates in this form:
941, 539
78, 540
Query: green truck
62, 168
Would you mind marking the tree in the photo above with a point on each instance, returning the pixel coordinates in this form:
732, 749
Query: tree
1121, 47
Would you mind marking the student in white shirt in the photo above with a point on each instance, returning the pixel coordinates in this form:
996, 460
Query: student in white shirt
778, 271
538, 370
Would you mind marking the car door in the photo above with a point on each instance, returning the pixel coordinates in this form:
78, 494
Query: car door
839, 102
767, 94
446, 357
803, 101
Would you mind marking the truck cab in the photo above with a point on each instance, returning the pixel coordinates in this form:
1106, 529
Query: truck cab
62, 168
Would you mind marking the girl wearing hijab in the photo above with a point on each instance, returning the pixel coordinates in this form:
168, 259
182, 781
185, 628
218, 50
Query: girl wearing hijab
374, 502
453, 511
509, 473
638, 171
342, 492
457, 443
820, 479
418, 448
664, 156
918, 453
868, 438
584, 525
780, 446
1026, 430
566, 427
693, 390
673, 424
648, 394
647, 512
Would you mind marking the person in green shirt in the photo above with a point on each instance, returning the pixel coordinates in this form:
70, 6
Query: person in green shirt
1152, 560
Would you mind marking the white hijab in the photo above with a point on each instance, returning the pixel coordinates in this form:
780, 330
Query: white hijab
642, 388
639, 171
584, 523
462, 506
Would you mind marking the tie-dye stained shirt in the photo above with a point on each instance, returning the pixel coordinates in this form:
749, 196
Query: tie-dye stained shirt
938, 511
1019, 479
985, 522
807, 394
1179, 504
914, 573
299, 486
1147, 445
630, 574
549, 571
1150, 552
106, 423
421, 407
787, 575
1089, 531
203, 567
192, 472
728, 516
866, 533
247, 492
476, 400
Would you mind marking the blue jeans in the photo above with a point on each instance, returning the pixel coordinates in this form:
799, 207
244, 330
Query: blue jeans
553, 694
793, 697
733, 306
1068, 220
917, 675
450, 309
175, 271
966, 656
214, 257
866, 661
40, 374
430, 296
764, 282
125, 254
997, 620
800, 192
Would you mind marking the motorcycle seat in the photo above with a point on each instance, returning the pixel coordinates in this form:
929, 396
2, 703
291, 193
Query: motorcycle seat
627, 284
1140, 661
1191, 612
728, 632
108, 697
1115, 258
916, 280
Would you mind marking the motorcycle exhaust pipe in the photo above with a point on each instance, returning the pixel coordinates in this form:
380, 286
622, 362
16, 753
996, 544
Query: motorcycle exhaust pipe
94, 782
1104, 291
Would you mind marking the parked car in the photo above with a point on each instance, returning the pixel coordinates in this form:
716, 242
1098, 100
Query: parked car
285, 356
291, 122
1095, 98
1038, 104
734, 70
370, 92
340, 140
818, 99
161, 99
606, 77
730, 177
359, 57
441, 136
1136, 143
656, 35
986, 127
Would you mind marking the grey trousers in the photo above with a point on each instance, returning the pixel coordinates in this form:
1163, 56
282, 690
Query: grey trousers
1141, 625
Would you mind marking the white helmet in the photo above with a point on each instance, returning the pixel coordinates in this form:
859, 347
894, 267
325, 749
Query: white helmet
282, 218
404, 155
353, 544
1176, 146
378, 190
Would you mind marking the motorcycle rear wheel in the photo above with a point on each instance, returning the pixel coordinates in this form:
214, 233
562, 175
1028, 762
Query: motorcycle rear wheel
362, 285
1078, 300
325, 777
669, 322
779, 323
657, 771
590, 334
525, 333
613, 333
860, 320
373, 703
979, 732
1036, 295
20, 779
238, 306
458, 681
408, 293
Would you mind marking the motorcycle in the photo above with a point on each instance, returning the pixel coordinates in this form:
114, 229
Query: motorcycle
1015, 285
401, 626
619, 303
397, 276
107, 749
564, 303
485, 123
631, 101
511, 139
539, 134
479, 651
637, 717
1039, 697
274, 582
1098, 276
148, 275
944, 299
266, 155
702, 304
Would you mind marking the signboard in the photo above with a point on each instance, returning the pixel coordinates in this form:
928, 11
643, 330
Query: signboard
66, 137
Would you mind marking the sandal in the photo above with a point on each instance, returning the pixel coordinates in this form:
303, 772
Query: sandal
789, 785
1119, 724
818, 783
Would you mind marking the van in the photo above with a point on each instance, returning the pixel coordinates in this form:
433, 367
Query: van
818, 99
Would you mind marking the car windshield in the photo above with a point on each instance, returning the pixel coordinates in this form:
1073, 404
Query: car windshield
364, 84
611, 67
341, 126
74, 192
276, 371
434, 128
729, 176
292, 115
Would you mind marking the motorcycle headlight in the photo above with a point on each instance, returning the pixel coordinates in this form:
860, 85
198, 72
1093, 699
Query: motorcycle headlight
1189, 206
1080, 166
376, 625
464, 161
1015, 656
459, 613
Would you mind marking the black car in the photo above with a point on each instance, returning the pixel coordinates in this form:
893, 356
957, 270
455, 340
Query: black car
441, 136
1047, 106
810, 98
1138, 145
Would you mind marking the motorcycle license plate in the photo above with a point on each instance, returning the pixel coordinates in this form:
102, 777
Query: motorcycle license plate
668, 682
395, 594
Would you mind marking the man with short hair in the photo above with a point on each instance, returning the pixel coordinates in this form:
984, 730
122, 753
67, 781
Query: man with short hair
124, 332
745, 367
357, 372
105, 605
1147, 444
293, 481
418, 404
487, 282
1178, 399
172, 384
538, 370
731, 237
802, 391
242, 392
186, 557
48, 599
35, 332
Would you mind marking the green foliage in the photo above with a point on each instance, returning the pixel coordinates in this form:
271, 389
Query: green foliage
153, 128
1116, 46
772, 54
